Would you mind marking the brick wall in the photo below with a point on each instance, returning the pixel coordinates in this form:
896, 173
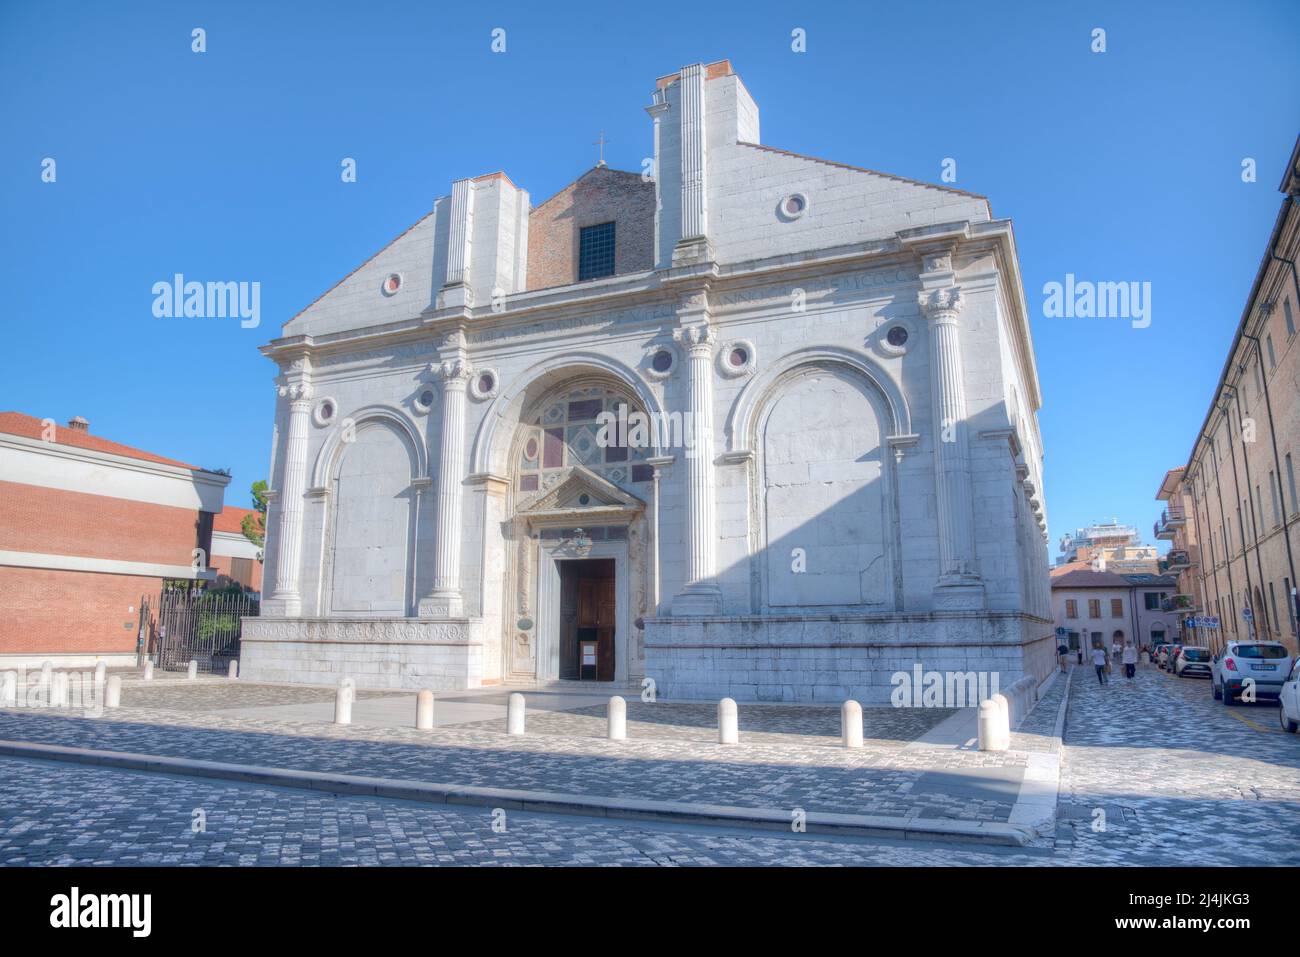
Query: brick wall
46, 610
599, 196
57, 522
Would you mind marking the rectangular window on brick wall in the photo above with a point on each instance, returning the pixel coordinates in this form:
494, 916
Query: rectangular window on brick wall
595, 251
1117, 608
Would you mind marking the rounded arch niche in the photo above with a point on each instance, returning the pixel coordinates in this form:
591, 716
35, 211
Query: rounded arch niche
824, 486
370, 536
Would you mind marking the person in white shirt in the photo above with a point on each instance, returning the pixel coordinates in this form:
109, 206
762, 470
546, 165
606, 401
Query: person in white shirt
1100, 663
1130, 656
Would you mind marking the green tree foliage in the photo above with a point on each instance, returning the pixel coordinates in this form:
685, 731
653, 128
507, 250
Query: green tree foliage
254, 526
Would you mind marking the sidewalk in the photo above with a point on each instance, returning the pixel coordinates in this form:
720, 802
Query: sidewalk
912, 775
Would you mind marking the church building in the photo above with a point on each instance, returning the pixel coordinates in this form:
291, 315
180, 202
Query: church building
744, 423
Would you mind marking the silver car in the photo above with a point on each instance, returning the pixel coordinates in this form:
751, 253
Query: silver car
1262, 666
1193, 661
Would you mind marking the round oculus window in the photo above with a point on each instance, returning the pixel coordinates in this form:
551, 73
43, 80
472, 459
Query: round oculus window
662, 361
897, 337
392, 283
738, 356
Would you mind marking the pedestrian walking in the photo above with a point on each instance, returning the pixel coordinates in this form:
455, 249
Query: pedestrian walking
1062, 655
1101, 663
1130, 657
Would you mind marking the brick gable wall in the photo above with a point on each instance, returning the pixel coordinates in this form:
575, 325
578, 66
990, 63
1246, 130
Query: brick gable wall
599, 196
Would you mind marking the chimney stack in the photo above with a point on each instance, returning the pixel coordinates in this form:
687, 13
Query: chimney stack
78, 423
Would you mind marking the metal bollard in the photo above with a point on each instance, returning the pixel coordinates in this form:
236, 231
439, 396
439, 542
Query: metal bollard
148, 671
101, 671
233, 673
193, 673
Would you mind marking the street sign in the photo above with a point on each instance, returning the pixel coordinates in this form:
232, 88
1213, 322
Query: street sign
1247, 614
1061, 631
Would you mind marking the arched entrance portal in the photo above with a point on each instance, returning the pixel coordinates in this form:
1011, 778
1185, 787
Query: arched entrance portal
580, 485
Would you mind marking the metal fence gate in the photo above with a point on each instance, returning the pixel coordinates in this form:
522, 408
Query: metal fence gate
179, 626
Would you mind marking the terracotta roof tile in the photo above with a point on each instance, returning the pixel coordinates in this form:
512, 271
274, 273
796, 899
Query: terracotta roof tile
229, 519
30, 427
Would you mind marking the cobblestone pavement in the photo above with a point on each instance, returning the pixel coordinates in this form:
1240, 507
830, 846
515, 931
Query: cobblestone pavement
54, 814
569, 753
1174, 777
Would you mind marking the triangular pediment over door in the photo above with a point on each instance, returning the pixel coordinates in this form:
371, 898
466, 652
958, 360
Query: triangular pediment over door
579, 497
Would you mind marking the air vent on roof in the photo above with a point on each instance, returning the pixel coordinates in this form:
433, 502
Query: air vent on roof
78, 423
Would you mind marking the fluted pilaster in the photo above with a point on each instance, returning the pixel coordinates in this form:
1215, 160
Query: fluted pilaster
959, 585
286, 600
445, 599
701, 596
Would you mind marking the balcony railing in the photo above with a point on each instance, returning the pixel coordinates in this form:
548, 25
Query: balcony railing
1170, 521
1179, 603
1177, 560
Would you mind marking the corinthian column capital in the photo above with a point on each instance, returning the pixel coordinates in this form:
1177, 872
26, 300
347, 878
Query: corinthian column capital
454, 373
943, 304
296, 391
698, 339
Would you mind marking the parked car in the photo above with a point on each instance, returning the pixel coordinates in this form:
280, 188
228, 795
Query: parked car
1193, 661
1265, 663
1288, 701
1167, 653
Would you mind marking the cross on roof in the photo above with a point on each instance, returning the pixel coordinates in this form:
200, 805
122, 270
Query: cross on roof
601, 143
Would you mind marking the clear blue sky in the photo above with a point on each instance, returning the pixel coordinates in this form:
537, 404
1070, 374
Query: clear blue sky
225, 166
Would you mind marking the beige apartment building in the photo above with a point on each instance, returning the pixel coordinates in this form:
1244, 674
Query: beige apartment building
1232, 511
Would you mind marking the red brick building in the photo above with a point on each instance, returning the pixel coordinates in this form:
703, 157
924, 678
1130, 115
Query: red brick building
87, 528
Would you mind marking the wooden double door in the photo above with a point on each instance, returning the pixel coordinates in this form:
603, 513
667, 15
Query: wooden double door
587, 619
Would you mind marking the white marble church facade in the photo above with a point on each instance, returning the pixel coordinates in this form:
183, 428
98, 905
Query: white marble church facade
842, 477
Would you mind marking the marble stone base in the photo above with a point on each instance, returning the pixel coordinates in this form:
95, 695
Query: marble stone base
378, 653
830, 658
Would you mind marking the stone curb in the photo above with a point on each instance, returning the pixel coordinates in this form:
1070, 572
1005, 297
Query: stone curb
818, 822
1035, 806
